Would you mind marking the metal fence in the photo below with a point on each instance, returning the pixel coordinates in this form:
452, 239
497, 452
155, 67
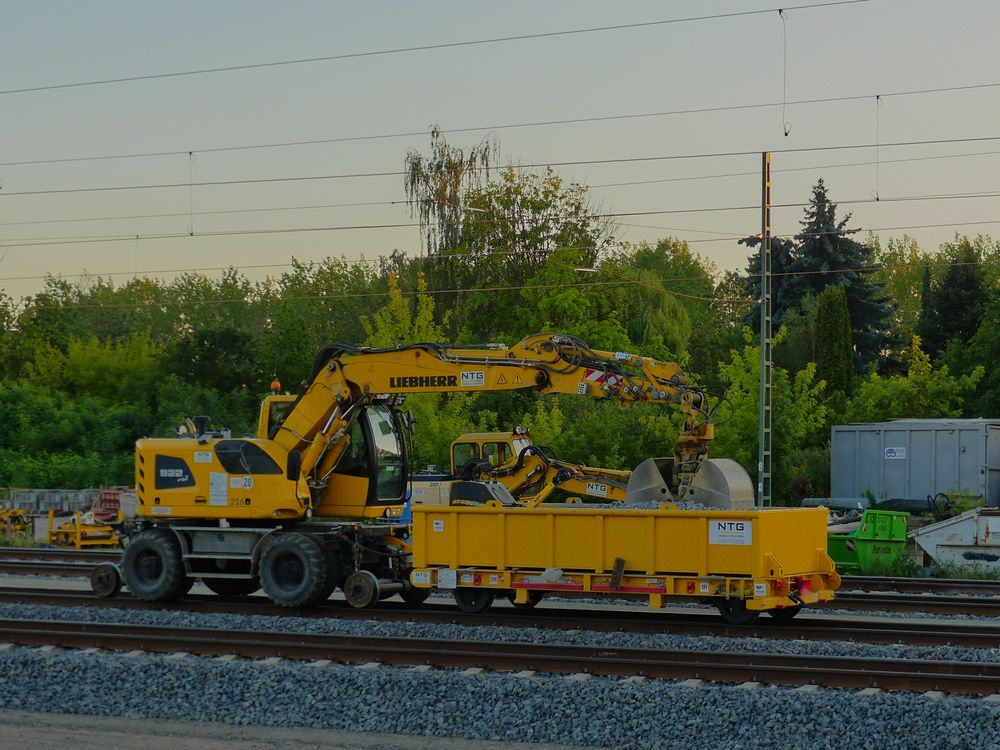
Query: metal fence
42, 501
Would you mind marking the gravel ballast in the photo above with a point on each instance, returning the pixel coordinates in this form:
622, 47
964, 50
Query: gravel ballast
494, 633
444, 703
599, 711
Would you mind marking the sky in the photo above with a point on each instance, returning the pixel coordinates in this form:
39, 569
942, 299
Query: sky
732, 64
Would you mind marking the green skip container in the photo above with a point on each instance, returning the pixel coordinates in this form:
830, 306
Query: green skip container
873, 546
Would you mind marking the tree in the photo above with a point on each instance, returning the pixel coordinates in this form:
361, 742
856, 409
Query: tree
552, 301
798, 336
436, 187
825, 255
116, 373
440, 417
800, 419
834, 352
925, 327
923, 392
957, 302
983, 349
404, 319
783, 299
899, 271
510, 232
310, 306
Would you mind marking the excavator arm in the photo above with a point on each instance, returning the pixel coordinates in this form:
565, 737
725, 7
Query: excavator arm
345, 378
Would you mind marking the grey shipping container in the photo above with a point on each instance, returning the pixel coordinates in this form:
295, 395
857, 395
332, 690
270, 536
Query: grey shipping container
913, 458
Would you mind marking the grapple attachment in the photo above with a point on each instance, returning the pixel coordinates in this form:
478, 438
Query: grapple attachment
720, 483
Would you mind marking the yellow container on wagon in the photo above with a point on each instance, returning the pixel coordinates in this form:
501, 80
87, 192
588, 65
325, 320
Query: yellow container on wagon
767, 559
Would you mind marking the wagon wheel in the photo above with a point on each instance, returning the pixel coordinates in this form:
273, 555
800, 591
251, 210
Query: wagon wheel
735, 612
534, 597
473, 600
785, 613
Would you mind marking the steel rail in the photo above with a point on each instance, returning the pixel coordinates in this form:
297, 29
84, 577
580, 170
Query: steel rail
830, 671
61, 568
982, 606
982, 587
112, 554
633, 620
80, 563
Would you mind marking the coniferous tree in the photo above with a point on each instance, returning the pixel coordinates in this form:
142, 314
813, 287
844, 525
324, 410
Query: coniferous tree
834, 350
826, 256
782, 254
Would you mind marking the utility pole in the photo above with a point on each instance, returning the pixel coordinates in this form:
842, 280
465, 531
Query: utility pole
764, 417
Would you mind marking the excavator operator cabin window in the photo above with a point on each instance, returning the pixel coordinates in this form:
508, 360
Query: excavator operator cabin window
496, 453
462, 453
243, 457
276, 412
390, 477
355, 459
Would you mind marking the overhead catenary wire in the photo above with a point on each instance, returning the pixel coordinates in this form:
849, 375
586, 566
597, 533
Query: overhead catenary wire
264, 209
785, 170
509, 126
417, 48
516, 167
360, 204
480, 256
410, 225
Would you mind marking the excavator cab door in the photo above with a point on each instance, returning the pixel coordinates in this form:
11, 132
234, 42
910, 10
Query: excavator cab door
370, 478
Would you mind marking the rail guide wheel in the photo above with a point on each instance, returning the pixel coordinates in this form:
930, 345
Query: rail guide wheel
361, 589
735, 612
106, 580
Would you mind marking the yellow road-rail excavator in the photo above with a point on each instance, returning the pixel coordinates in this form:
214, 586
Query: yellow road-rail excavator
532, 473
313, 501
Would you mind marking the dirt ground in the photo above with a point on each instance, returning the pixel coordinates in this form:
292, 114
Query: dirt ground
40, 731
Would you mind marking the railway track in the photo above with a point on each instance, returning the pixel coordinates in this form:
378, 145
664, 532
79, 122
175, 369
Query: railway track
634, 620
859, 593
829, 671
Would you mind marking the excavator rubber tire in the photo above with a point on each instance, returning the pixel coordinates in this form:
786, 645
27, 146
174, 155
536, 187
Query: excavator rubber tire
335, 573
293, 570
232, 586
153, 568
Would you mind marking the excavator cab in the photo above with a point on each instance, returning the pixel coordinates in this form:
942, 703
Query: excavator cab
369, 479
494, 448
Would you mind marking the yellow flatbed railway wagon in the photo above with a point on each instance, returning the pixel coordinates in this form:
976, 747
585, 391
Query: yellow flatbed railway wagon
745, 562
